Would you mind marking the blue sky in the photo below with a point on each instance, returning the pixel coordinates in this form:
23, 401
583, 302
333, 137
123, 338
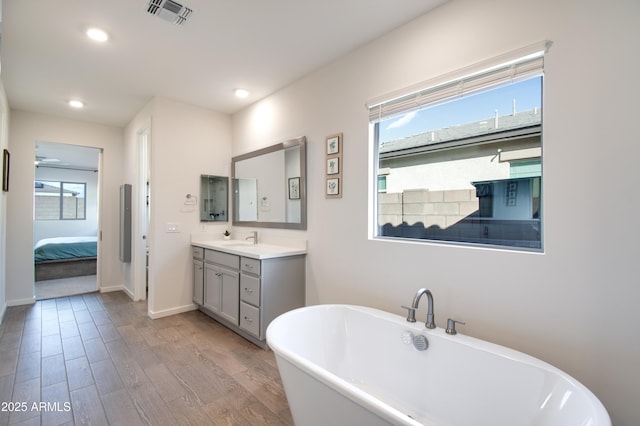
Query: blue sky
527, 95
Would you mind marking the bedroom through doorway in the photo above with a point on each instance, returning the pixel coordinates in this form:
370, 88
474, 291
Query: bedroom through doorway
66, 219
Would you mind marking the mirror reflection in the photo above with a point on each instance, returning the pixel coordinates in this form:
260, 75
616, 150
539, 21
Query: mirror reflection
214, 196
269, 186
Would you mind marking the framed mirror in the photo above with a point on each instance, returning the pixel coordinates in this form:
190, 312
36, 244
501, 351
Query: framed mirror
269, 186
214, 198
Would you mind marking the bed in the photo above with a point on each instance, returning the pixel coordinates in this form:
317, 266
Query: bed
65, 257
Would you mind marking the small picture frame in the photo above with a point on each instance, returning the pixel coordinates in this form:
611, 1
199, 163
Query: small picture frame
294, 188
333, 187
6, 157
334, 144
333, 165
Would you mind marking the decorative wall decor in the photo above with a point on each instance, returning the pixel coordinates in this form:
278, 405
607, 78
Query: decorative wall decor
333, 166
5, 170
294, 188
333, 187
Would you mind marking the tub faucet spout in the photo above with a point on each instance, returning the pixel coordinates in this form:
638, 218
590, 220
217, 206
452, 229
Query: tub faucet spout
416, 300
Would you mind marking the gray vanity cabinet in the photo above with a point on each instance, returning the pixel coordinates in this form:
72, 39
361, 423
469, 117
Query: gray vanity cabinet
246, 294
269, 288
198, 275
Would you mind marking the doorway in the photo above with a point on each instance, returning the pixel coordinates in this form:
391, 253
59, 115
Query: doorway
66, 219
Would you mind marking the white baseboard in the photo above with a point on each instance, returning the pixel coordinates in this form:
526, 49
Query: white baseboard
172, 311
122, 288
18, 302
109, 289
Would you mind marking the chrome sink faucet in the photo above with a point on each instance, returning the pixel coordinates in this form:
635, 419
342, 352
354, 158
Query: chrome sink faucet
411, 317
253, 237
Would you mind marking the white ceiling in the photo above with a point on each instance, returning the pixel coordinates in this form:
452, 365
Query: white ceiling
63, 156
260, 45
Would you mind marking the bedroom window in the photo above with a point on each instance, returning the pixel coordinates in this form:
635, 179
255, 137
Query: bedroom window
460, 161
60, 200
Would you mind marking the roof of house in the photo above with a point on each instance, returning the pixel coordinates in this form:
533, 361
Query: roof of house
483, 128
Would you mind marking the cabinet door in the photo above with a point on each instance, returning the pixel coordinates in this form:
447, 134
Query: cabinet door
230, 299
212, 287
198, 282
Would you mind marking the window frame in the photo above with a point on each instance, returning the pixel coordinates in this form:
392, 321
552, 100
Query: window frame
60, 195
533, 58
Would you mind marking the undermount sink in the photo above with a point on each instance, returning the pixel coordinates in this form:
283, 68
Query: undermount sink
236, 243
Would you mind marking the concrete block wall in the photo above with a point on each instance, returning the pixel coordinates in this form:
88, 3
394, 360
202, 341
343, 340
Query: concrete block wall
48, 208
441, 208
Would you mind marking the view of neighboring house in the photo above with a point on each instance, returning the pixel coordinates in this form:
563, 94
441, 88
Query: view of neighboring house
478, 182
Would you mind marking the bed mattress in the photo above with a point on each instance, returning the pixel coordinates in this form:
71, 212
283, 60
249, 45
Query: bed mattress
65, 248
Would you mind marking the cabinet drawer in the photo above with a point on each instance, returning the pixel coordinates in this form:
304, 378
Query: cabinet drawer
250, 265
250, 289
225, 259
250, 319
198, 252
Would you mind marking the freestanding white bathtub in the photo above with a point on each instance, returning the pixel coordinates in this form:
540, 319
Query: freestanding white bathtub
352, 365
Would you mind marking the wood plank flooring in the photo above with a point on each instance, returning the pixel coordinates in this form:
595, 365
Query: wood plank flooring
98, 359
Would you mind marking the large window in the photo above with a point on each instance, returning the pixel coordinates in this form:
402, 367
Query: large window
461, 161
60, 200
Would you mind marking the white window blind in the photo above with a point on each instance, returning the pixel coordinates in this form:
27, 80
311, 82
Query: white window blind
510, 67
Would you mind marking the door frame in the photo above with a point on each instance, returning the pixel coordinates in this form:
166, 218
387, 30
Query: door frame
142, 217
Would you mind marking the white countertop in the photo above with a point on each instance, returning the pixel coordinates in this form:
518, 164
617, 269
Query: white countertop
248, 249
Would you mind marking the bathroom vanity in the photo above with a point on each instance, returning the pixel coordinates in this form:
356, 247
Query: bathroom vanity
245, 286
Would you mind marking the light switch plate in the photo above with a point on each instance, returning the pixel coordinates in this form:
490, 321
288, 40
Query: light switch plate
173, 227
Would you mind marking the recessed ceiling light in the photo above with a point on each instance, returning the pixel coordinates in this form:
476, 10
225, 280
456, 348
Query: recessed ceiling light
241, 93
76, 104
97, 34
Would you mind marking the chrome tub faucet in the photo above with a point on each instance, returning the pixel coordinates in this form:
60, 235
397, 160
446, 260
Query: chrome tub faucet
411, 314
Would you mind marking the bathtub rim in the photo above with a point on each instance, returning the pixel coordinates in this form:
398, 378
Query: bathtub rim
354, 393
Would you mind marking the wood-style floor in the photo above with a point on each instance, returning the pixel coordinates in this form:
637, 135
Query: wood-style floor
98, 359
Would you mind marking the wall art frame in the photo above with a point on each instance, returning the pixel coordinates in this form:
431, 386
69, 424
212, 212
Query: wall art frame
294, 188
333, 166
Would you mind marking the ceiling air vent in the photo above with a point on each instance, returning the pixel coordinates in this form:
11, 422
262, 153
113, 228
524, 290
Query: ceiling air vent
169, 10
